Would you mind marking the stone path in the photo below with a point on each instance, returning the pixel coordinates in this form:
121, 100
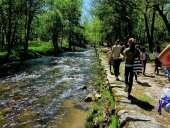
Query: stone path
140, 111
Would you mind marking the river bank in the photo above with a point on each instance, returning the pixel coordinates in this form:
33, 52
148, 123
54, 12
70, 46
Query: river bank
141, 109
47, 91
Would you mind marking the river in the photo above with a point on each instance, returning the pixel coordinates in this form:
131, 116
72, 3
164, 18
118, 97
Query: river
47, 92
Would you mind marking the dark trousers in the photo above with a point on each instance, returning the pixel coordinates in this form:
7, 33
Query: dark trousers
135, 74
116, 67
144, 66
129, 78
157, 64
111, 67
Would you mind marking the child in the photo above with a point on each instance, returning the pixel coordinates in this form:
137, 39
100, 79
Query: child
110, 59
144, 59
137, 65
156, 53
168, 68
117, 57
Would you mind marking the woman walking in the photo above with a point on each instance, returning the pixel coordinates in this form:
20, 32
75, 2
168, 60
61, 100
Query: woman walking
144, 59
128, 56
137, 65
117, 58
156, 53
110, 60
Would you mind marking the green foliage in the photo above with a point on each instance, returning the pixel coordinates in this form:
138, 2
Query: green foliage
99, 119
145, 98
124, 19
96, 116
40, 19
40, 47
114, 122
110, 20
2, 54
93, 31
89, 125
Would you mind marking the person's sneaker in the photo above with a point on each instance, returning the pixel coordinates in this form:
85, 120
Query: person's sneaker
129, 96
126, 88
117, 78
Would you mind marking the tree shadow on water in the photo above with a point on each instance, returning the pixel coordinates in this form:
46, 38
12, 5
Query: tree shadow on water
142, 104
145, 84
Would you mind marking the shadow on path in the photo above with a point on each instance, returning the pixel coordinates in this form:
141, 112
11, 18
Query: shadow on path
142, 104
161, 75
151, 76
145, 84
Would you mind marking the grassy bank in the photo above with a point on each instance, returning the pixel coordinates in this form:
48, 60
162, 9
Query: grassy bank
35, 49
103, 105
42, 48
103, 112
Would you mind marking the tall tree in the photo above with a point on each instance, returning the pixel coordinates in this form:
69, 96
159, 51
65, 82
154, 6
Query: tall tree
56, 27
32, 7
161, 11
9, 27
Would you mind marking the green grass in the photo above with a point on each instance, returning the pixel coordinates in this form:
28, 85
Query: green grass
114, 122
3, 53
121, 69
40, 47
96, 116
35, 49
145, 98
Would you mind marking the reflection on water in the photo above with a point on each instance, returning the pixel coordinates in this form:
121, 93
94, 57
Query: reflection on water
35, 93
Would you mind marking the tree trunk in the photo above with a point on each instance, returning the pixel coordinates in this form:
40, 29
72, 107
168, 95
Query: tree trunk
27, 34
13, 35
117, 25
9, 27
152, 31
3, 30
163, 17
29, 19
129, 27
69, 41
147, 31
55, 41
2, 38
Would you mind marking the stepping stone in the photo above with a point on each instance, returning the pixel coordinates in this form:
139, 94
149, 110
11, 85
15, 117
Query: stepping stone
137, 120
143, 124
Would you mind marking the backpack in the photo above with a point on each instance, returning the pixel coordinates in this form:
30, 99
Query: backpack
147, 57
164, 102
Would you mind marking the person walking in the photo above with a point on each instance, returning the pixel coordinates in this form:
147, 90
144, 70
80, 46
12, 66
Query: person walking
117, 57
156, 53
144, 59
110, 60
137, 65
128, 56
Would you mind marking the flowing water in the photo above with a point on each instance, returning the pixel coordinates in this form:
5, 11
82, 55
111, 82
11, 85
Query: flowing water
47, 92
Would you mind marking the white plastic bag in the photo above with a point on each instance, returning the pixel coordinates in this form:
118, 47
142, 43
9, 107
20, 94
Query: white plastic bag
165, 92
167, 107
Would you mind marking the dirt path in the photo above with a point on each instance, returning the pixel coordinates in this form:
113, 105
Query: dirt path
140, 110
149, 88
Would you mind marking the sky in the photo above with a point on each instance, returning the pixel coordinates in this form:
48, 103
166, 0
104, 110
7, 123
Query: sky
85, 13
